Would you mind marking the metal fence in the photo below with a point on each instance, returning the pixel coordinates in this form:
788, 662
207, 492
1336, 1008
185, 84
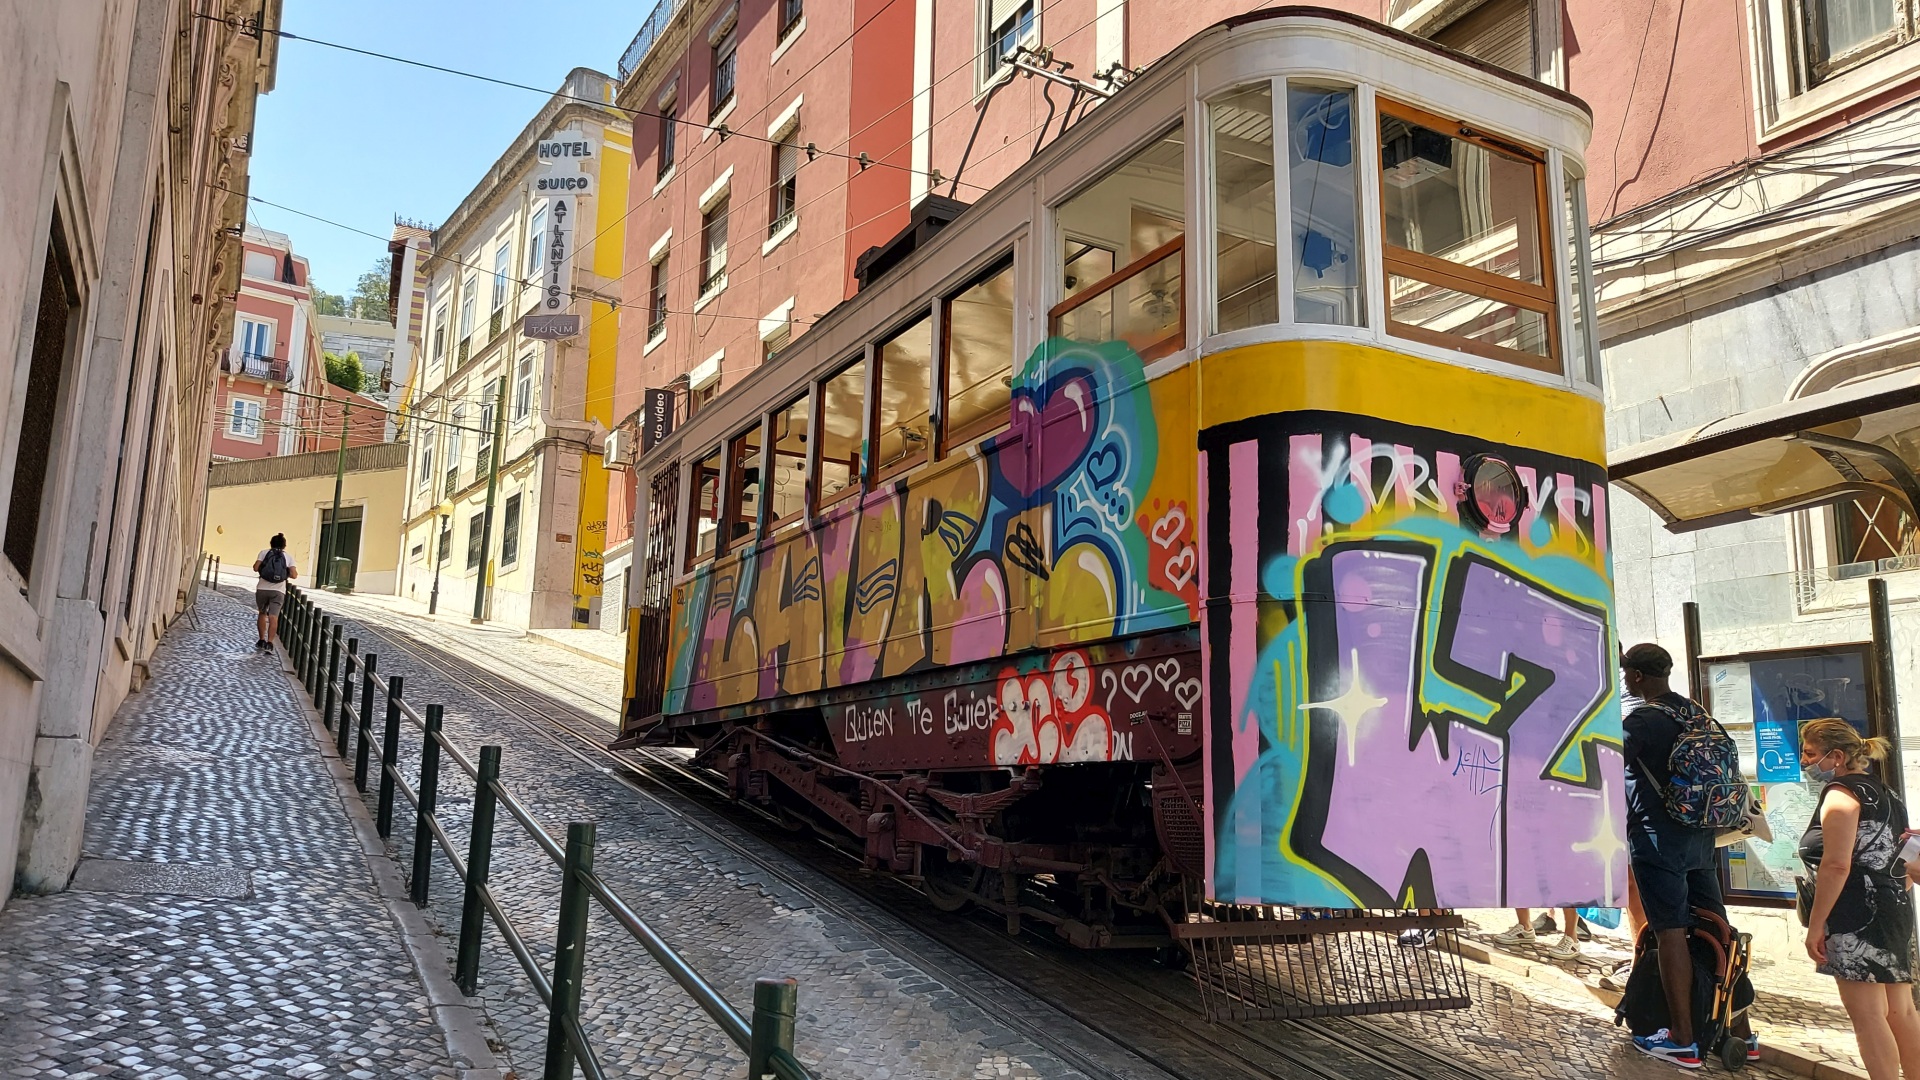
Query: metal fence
650, 30
334, 675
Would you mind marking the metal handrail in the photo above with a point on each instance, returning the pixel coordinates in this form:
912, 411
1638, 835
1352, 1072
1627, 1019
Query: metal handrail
329, 673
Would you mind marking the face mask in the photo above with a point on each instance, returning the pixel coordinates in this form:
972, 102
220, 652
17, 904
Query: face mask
1819, 774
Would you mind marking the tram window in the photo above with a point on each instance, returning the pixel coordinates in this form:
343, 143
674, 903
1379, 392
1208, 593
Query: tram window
788, 466
743, 489
1579, 280
1462, 214
706, 508
979, 357
901, 409
1324, 241
842, 431
1133, 216
1245, 266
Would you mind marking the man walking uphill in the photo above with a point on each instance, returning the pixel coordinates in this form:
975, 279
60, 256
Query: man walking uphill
275, 570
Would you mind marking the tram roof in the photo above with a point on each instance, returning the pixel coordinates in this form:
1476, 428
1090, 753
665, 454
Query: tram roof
1861, 438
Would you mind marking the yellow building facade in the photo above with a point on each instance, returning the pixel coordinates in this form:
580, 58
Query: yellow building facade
249, 501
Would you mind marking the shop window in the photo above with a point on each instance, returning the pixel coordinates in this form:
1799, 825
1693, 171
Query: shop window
979, 361
1463, 220
1245, 263
788, 467
902, 405
842, 433
1324, 190
706, 508
743, 489
1135, 217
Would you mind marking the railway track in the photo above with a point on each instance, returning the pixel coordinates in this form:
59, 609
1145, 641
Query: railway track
1113, 1017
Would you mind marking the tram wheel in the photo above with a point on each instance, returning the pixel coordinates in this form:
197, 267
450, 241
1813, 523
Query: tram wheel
949, 885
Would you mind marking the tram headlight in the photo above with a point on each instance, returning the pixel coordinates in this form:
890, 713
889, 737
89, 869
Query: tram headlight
1492, 495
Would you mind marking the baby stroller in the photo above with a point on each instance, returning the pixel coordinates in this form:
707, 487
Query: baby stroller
1721, 989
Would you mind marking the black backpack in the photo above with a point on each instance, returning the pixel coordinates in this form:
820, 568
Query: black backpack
273, 566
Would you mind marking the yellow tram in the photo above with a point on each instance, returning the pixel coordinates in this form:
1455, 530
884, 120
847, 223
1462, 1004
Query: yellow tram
1213, 513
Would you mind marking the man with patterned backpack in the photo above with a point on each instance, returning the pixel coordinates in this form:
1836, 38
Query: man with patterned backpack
1683, 787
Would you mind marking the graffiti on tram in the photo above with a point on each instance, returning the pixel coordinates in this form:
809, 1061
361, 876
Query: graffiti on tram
1411, 702
1070, 526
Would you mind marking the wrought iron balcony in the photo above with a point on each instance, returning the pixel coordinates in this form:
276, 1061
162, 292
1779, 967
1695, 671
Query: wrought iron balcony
453, 482
493, 324
254, 365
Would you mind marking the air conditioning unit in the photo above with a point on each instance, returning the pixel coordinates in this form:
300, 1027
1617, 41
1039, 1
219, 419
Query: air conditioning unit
617, 452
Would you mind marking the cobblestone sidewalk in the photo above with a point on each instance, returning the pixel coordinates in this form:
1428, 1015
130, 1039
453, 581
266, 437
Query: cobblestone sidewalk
223, 921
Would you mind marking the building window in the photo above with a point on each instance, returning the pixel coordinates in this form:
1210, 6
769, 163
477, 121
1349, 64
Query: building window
701, 398
1869, 529
256, 339
446, 542
54, 324
1464, 242
457, 419
1246, 263
706, 508
979, 367
476, 546
786, 182
481, 461
261, 264
713, 242
1122, 254
1499, 32
789, 464
427, 439
523, 389
669, 128
657, 300
469, 290
502, 267
419, 552
772, 344
843, 416
1009, 25
1842, 33
440, 334
725, 49
537, 241
243, 421
510, 532
790, 12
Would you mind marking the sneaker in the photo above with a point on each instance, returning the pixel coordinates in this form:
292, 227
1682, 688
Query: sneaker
261, 645
1753, 1048
1616, 980
1564, 949
1416, 939
1515, 935
1661, 1045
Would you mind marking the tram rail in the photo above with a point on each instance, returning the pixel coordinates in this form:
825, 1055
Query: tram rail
1152, 1020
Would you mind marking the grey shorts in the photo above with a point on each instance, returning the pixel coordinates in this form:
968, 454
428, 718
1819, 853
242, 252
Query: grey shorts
268, 601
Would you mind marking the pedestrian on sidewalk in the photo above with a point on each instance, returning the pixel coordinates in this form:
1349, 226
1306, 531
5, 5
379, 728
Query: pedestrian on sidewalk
1567, 947
270, 592
1673, 863
1860, 928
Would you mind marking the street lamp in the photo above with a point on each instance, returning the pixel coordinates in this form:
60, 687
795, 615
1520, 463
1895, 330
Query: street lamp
445, 511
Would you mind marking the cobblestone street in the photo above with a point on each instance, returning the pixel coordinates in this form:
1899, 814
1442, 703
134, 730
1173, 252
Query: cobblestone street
223, 921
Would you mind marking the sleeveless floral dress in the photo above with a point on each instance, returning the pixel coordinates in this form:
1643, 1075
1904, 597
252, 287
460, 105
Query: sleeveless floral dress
1870, 931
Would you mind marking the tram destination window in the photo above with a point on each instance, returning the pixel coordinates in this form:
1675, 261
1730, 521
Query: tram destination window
979, 365
1132, 217
902, 427
842, 431
787, 467
1324, 234
1462, 214
1245, 267
743, 489
706, 508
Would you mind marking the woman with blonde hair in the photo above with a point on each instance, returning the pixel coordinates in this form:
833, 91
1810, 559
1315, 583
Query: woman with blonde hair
1860, 925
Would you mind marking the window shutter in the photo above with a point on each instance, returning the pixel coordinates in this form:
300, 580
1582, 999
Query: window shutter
1499, 32
789, 161
1001, 11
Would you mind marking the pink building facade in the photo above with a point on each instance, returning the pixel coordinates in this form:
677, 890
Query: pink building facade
275, 348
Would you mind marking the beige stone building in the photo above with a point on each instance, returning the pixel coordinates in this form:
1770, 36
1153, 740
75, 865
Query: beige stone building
128, 127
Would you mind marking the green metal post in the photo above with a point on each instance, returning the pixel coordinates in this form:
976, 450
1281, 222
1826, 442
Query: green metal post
333, 523
482, 584
323, 620
389, 758
569, 949
473, 913
365, 726
341, 729
429, 791
775, 1001
333, 675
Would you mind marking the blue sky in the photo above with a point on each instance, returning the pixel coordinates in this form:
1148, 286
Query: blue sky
358, 140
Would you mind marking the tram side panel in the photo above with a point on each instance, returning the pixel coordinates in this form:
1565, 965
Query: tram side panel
1408, 656
1072, 527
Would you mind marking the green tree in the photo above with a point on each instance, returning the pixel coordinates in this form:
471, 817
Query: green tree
326, 303
369, 299
345, 372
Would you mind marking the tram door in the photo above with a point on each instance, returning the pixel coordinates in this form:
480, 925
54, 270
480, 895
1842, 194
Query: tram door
647, 640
